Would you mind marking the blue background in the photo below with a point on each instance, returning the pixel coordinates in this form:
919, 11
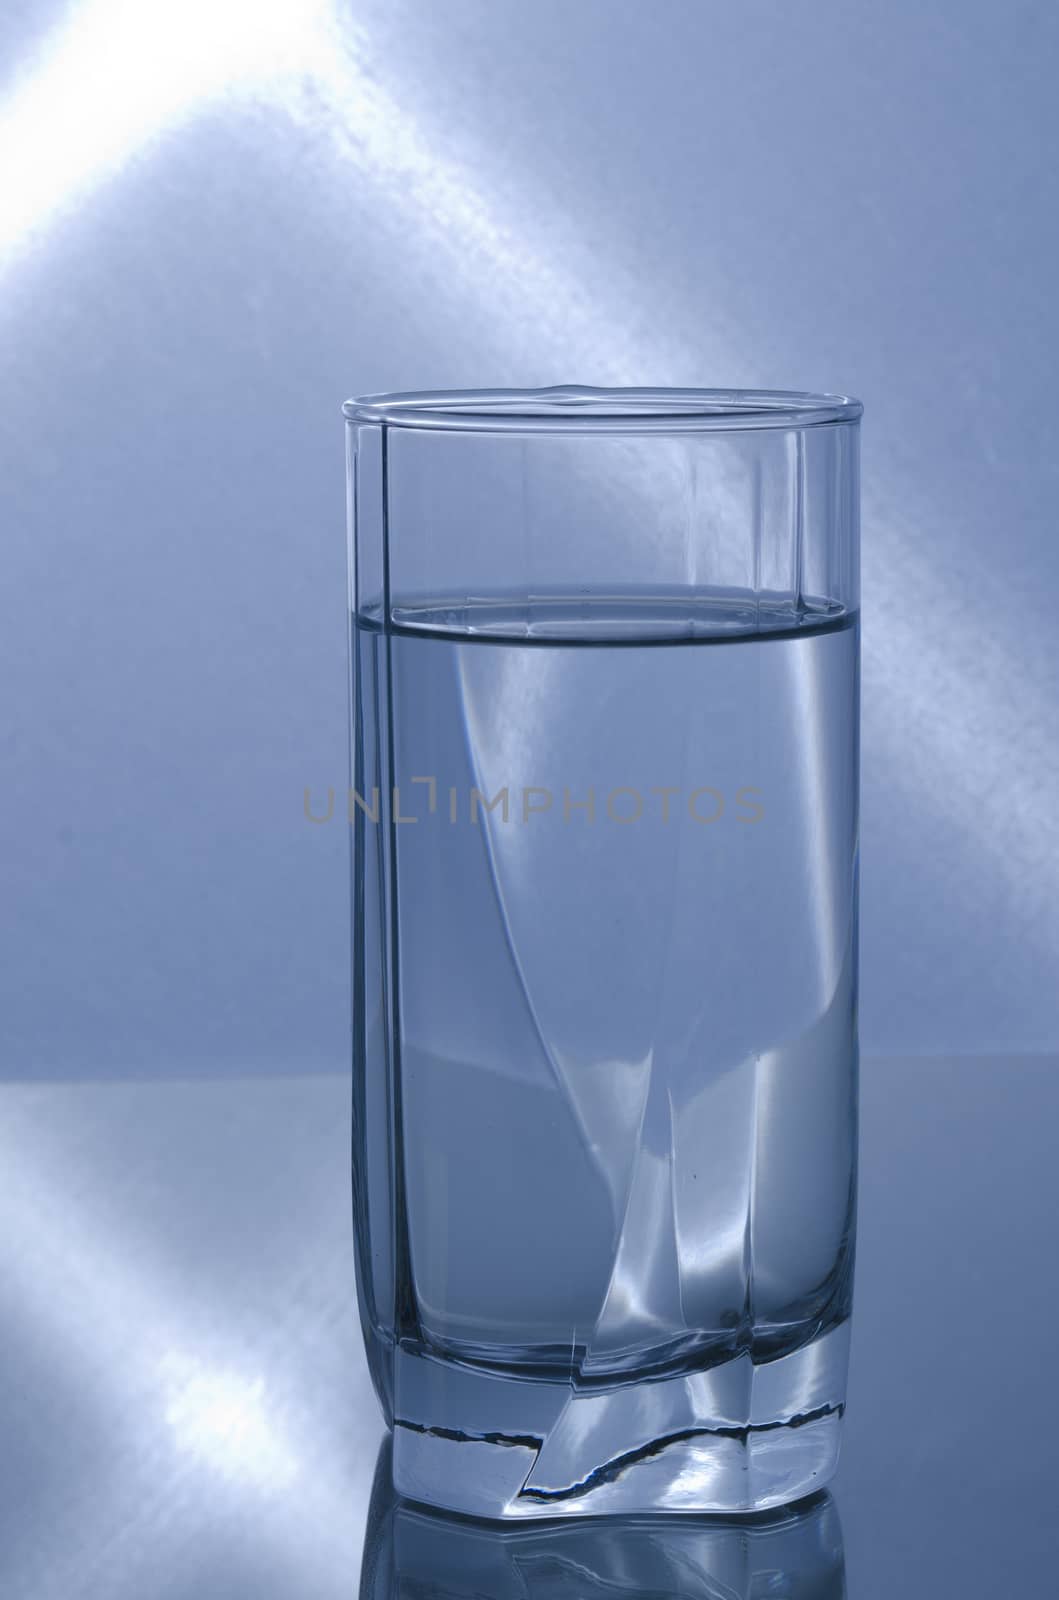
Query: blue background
219, 219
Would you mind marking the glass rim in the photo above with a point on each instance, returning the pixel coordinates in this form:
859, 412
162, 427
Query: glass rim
573, 409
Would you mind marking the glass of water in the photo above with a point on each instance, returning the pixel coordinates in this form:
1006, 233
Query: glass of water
604, 708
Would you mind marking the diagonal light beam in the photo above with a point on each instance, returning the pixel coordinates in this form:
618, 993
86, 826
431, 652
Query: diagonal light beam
962, 731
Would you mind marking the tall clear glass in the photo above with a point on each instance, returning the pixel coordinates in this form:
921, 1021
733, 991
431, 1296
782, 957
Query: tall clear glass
604, 695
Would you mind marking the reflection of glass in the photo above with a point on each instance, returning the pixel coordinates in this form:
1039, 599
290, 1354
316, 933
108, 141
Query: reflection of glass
410, 1551
605, 702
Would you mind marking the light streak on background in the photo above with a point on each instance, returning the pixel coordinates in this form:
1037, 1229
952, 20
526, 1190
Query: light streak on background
961, 709
210, 1400
117, 74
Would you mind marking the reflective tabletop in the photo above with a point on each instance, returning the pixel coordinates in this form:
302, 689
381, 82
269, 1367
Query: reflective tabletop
185, 1411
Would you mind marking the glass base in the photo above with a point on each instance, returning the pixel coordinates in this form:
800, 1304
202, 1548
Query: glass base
737, 1437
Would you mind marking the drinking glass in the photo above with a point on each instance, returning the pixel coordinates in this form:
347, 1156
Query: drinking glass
604, 710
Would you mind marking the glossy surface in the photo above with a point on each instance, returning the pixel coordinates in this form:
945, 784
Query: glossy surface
185, 1413
220, 218
409, 1551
